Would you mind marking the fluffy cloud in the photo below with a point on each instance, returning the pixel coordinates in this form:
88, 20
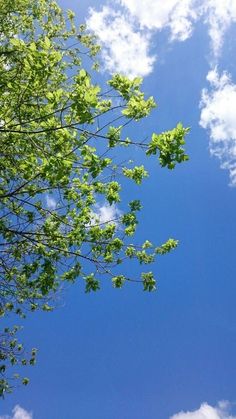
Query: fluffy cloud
218, 114
221, 411
125, 49
125, 31
18, 413
177, 15
180, 15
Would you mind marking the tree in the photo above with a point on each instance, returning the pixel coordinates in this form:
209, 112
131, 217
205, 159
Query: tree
58, 134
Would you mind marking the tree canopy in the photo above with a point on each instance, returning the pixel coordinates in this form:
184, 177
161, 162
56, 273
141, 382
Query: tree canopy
58, 131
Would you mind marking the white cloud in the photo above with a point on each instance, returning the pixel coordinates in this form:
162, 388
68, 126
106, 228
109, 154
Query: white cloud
106, 213
219, 116
125, 34
178, 15
221, 411
18, 413
125, 49
182, 19
50, 202
219, 15
103, 215
125, 30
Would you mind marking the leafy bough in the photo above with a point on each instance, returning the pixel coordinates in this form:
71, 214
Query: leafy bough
58, 134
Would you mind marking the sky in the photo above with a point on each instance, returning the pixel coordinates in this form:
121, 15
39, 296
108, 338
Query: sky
170, 354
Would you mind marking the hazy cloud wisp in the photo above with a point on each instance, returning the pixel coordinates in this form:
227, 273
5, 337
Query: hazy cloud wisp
105, 214
218, 15
18, 413
218, 115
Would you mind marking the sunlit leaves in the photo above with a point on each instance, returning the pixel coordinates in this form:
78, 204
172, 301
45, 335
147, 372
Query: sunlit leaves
118, 281
149, 282
138, 173
137, 107
113, 135
92, 284
167, 247
169, 144
13, 353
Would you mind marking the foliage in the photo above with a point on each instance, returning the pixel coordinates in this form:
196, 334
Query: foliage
12, 354
58, 131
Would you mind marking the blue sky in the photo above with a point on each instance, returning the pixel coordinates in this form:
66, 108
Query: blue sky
171, 354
